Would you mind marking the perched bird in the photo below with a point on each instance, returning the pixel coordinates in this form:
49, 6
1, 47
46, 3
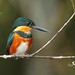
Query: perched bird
20, 40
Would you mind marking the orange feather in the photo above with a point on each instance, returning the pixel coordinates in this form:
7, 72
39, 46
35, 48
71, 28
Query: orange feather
16, 42
23, 28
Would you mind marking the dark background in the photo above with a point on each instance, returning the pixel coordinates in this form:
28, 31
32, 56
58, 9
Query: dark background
50, 14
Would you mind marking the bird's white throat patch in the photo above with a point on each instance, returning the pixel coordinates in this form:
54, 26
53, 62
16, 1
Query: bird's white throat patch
22, 48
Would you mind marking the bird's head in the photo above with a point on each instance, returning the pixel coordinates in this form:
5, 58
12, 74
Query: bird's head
22, 21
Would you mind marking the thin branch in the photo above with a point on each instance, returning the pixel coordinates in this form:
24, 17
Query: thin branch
54, 35
65, 24
73, 5
36, 56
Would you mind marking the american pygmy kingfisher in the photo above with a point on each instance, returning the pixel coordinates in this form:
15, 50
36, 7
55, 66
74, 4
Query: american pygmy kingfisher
20, 40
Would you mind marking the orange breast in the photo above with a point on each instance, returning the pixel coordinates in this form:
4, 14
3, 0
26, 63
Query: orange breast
17, 41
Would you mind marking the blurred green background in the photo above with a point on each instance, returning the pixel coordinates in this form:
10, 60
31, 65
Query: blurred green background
50, 14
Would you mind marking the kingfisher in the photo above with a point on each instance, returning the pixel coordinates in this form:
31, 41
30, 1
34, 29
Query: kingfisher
20, 39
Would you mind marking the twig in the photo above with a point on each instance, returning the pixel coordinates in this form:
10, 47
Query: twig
54, 35
36, 56
73, 5
65, 24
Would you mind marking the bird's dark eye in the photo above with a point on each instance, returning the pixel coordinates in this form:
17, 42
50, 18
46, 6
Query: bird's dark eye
28, 23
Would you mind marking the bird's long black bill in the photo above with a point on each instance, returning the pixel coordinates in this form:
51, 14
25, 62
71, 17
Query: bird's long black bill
40, 28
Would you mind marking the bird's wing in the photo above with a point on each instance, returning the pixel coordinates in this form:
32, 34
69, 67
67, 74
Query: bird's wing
9, 42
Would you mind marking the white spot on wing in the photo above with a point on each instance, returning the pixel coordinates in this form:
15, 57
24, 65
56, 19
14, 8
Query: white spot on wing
22, 48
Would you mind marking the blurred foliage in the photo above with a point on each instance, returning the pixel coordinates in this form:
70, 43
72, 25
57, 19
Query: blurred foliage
7, 15
50, 14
